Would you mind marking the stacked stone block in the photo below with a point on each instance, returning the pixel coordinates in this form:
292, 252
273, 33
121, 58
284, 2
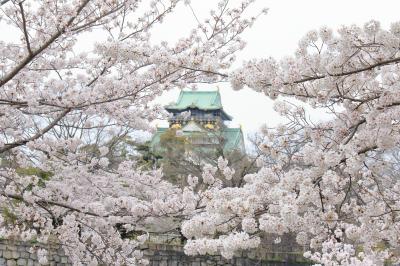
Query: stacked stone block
18, 253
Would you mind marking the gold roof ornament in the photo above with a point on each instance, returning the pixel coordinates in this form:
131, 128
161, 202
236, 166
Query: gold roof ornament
209, 126
176, 126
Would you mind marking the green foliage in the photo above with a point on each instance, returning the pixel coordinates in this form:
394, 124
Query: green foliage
171, 141
9, 217
147, 158
183, 155
42, 175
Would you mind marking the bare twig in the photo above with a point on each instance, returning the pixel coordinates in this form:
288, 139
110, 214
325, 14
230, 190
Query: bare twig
10, 146
28, 45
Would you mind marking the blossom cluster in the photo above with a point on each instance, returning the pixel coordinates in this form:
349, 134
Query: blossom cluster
69, 105
332, 183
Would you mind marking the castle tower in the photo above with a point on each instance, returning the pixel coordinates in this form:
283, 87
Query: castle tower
199, 117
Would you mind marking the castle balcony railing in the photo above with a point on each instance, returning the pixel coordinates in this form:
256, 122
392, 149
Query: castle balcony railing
199, 118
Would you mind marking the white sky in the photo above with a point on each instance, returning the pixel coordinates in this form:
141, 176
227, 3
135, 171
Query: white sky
277, 35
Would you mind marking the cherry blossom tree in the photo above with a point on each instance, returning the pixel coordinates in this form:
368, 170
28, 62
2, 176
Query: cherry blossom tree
66, 101
63, 108
340, 191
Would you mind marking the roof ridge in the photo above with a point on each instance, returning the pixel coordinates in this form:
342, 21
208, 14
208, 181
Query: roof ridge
203, 100
215, 98
198, 91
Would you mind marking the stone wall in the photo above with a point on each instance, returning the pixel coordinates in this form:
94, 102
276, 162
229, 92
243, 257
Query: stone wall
13, 253
169, 255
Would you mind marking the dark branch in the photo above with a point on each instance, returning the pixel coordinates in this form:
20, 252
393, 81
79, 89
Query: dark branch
28, 45
10, 146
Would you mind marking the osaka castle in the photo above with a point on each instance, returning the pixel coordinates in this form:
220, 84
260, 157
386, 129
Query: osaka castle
199, 120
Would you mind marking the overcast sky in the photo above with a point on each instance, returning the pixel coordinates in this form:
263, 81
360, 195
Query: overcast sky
277, 35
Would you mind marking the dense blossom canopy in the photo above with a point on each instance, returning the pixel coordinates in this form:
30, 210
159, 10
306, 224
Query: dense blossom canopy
65, 112
334, 184
67, 104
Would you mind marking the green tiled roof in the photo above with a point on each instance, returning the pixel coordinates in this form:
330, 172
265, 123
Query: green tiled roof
207, 101
155, 140
234, 139
204, 100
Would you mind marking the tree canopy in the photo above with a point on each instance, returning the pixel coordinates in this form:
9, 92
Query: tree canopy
63, 112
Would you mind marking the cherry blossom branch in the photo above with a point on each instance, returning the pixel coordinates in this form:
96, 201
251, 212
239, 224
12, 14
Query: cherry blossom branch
7, 77
3, 2
49, 202
341, 74
24, 28
9, 146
